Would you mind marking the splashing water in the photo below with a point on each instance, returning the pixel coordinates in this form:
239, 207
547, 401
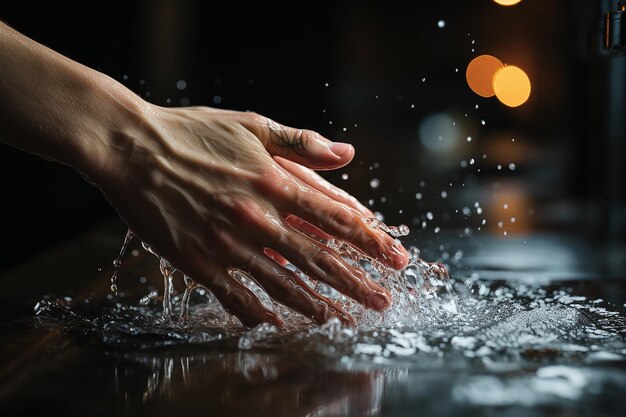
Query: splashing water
420, 292
117, 262
502, 324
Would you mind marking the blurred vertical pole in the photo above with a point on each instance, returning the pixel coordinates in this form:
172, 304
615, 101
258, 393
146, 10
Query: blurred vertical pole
615, 126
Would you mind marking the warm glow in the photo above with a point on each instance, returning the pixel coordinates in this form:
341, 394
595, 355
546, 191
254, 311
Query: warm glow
480, 73
512, 86
507, 2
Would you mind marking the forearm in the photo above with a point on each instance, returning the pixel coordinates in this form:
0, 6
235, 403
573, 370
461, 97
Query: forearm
59, 109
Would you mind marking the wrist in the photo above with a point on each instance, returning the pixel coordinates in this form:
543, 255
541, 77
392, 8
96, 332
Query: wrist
115, 119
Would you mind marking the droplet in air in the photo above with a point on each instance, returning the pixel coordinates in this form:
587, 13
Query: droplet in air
418, 196
181, 84
441, 23
344, 176
512, 166
444, 194
374, 183
469, 138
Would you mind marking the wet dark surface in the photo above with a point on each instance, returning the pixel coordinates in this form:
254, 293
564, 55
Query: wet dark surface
44, 369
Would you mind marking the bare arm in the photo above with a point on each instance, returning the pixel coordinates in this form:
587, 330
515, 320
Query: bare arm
210, 190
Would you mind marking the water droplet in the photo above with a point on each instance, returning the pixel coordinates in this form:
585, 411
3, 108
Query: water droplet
512, 166
441, 23
326, 84
444, 194
374, 183
482, 122
181, 84
344, 176
469, 138
429, 215
418, 196
217, 99
423, 79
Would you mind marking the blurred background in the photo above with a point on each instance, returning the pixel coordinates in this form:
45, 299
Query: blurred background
390, 77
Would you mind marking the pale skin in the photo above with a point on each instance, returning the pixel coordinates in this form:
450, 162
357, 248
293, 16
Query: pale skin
208, 189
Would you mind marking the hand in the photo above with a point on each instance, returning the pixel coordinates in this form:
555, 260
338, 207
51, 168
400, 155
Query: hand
201, 187
209, 190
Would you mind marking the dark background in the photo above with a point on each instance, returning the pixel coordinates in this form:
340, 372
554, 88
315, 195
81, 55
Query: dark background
276, 59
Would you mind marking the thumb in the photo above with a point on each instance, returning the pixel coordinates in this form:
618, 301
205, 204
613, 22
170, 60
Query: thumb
302, 146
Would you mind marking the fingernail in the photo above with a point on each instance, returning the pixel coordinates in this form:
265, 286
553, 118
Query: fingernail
378, 302
339, 148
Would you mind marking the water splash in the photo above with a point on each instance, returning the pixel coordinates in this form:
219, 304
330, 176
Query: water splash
117, 262
420, 292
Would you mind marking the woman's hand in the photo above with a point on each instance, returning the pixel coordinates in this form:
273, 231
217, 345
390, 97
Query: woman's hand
214, 190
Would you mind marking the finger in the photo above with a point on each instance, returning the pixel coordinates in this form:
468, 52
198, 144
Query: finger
232, 295
275, 256
287, 288
342, 222
320, 262
302, 146
307, 228
267, 229
313, 179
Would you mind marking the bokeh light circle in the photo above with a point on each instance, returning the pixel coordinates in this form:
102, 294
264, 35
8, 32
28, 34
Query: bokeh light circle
507, 2
512, 86
480, 73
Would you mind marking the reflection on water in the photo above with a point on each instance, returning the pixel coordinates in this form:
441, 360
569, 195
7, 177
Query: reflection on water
237, 382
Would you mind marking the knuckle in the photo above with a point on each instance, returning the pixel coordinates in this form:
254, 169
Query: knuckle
342, 221
247, 211
327, 261
271, 183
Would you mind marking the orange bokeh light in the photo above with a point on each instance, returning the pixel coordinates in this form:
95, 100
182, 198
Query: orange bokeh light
507, 2
480, 73
511, 85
